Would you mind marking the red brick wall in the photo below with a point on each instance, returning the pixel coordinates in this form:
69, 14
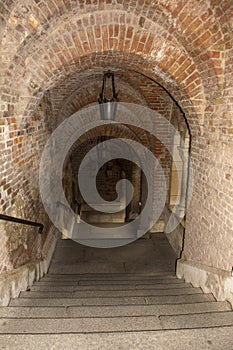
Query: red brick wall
22, 141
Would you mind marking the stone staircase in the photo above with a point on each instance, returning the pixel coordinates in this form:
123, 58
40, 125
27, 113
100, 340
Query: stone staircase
121, 298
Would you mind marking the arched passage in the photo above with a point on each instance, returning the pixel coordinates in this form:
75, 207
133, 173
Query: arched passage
183, 57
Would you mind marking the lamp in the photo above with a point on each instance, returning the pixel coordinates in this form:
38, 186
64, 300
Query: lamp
108, 105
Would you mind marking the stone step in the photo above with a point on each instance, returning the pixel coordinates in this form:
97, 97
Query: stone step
217, 338
109, 283
116, 293
173, 299
114, 285
210, 319
113, 276
73, 267
127, 282
112, 311
79, 325
64, 278
99, 234
93, 217
86, 267
114, 324
50, 287
188, 339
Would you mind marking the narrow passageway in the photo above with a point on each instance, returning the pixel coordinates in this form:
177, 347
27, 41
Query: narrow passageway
115, 298
116, 125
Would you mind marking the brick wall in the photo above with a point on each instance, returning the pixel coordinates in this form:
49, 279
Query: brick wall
22, 141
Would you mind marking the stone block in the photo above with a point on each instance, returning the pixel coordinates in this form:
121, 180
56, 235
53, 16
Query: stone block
210, 279
18, 280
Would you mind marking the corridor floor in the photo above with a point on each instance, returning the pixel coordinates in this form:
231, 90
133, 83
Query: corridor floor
120, 298
142, 256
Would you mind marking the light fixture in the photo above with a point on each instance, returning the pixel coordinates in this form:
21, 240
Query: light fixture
108, 104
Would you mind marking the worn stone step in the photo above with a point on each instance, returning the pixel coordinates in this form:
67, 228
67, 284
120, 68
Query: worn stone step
128, 282
56, 283
100, 267
123, 280
72, 288
114, 324
99, 234
114, 311
93, 217
103, 278
173, 299
217, 338
153, 266
86, 267
110, 276
110, 282
116, 293
77, 301
210, 319
79, 325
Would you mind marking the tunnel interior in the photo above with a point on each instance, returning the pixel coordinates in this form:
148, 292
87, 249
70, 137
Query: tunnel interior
171, 58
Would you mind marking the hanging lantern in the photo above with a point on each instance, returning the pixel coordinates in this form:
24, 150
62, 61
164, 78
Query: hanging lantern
108, 102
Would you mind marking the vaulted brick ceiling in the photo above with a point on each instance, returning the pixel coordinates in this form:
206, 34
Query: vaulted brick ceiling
61, 45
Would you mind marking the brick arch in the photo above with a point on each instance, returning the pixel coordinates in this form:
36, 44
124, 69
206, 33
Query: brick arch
81, 90
54, 53
111, 131
115, 60
87, 93
163, 19
35, 75
32, 20
27, 104
164, 63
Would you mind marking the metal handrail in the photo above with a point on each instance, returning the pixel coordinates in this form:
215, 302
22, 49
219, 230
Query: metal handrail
22, 221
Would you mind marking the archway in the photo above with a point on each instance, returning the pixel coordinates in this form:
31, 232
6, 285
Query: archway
154, 48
